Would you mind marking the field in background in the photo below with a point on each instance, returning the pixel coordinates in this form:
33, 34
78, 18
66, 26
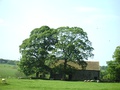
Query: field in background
27, 84
9, 71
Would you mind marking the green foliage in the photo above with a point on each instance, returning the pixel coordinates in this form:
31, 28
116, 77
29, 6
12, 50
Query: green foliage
73, 45
60, 69
114, 66
116, 55
45, 44
26, 84
103, 73
35, 50
103, 68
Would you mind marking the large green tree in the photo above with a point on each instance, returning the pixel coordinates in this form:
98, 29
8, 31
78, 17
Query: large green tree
36, 49
73, 45
114, 66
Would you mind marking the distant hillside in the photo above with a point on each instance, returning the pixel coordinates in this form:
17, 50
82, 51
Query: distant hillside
9, 69
6, 61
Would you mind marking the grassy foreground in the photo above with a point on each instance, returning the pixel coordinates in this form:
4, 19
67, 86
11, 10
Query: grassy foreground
26, 84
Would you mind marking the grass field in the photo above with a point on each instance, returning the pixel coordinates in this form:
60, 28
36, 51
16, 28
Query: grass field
7, 70
27, 84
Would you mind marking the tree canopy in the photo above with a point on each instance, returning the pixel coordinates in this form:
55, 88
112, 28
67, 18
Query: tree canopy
73, 45
46, 44
35, 50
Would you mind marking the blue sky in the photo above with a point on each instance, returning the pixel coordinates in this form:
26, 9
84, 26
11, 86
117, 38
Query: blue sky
99, 18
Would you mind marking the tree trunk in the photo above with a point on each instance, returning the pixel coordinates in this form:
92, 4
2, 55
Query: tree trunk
37, 74
64, 72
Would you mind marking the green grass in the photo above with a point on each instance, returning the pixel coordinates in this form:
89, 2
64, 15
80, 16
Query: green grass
7, 70
26, 84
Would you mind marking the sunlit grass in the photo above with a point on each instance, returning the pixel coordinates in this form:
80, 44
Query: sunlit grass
27, 84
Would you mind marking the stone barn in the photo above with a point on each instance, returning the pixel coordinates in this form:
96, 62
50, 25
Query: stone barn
90, 72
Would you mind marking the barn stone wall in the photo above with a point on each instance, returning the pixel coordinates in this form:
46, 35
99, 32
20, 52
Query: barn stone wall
86, 75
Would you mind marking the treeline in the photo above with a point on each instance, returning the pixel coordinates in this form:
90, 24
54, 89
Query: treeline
6, 61
112, 71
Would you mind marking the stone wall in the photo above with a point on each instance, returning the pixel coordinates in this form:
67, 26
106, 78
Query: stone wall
86, 75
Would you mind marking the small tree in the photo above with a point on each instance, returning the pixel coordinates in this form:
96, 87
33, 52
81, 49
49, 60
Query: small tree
114, 66
36, 49
103, 73
73, 45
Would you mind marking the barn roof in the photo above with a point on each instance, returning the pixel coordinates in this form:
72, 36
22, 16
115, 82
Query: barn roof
91, 65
